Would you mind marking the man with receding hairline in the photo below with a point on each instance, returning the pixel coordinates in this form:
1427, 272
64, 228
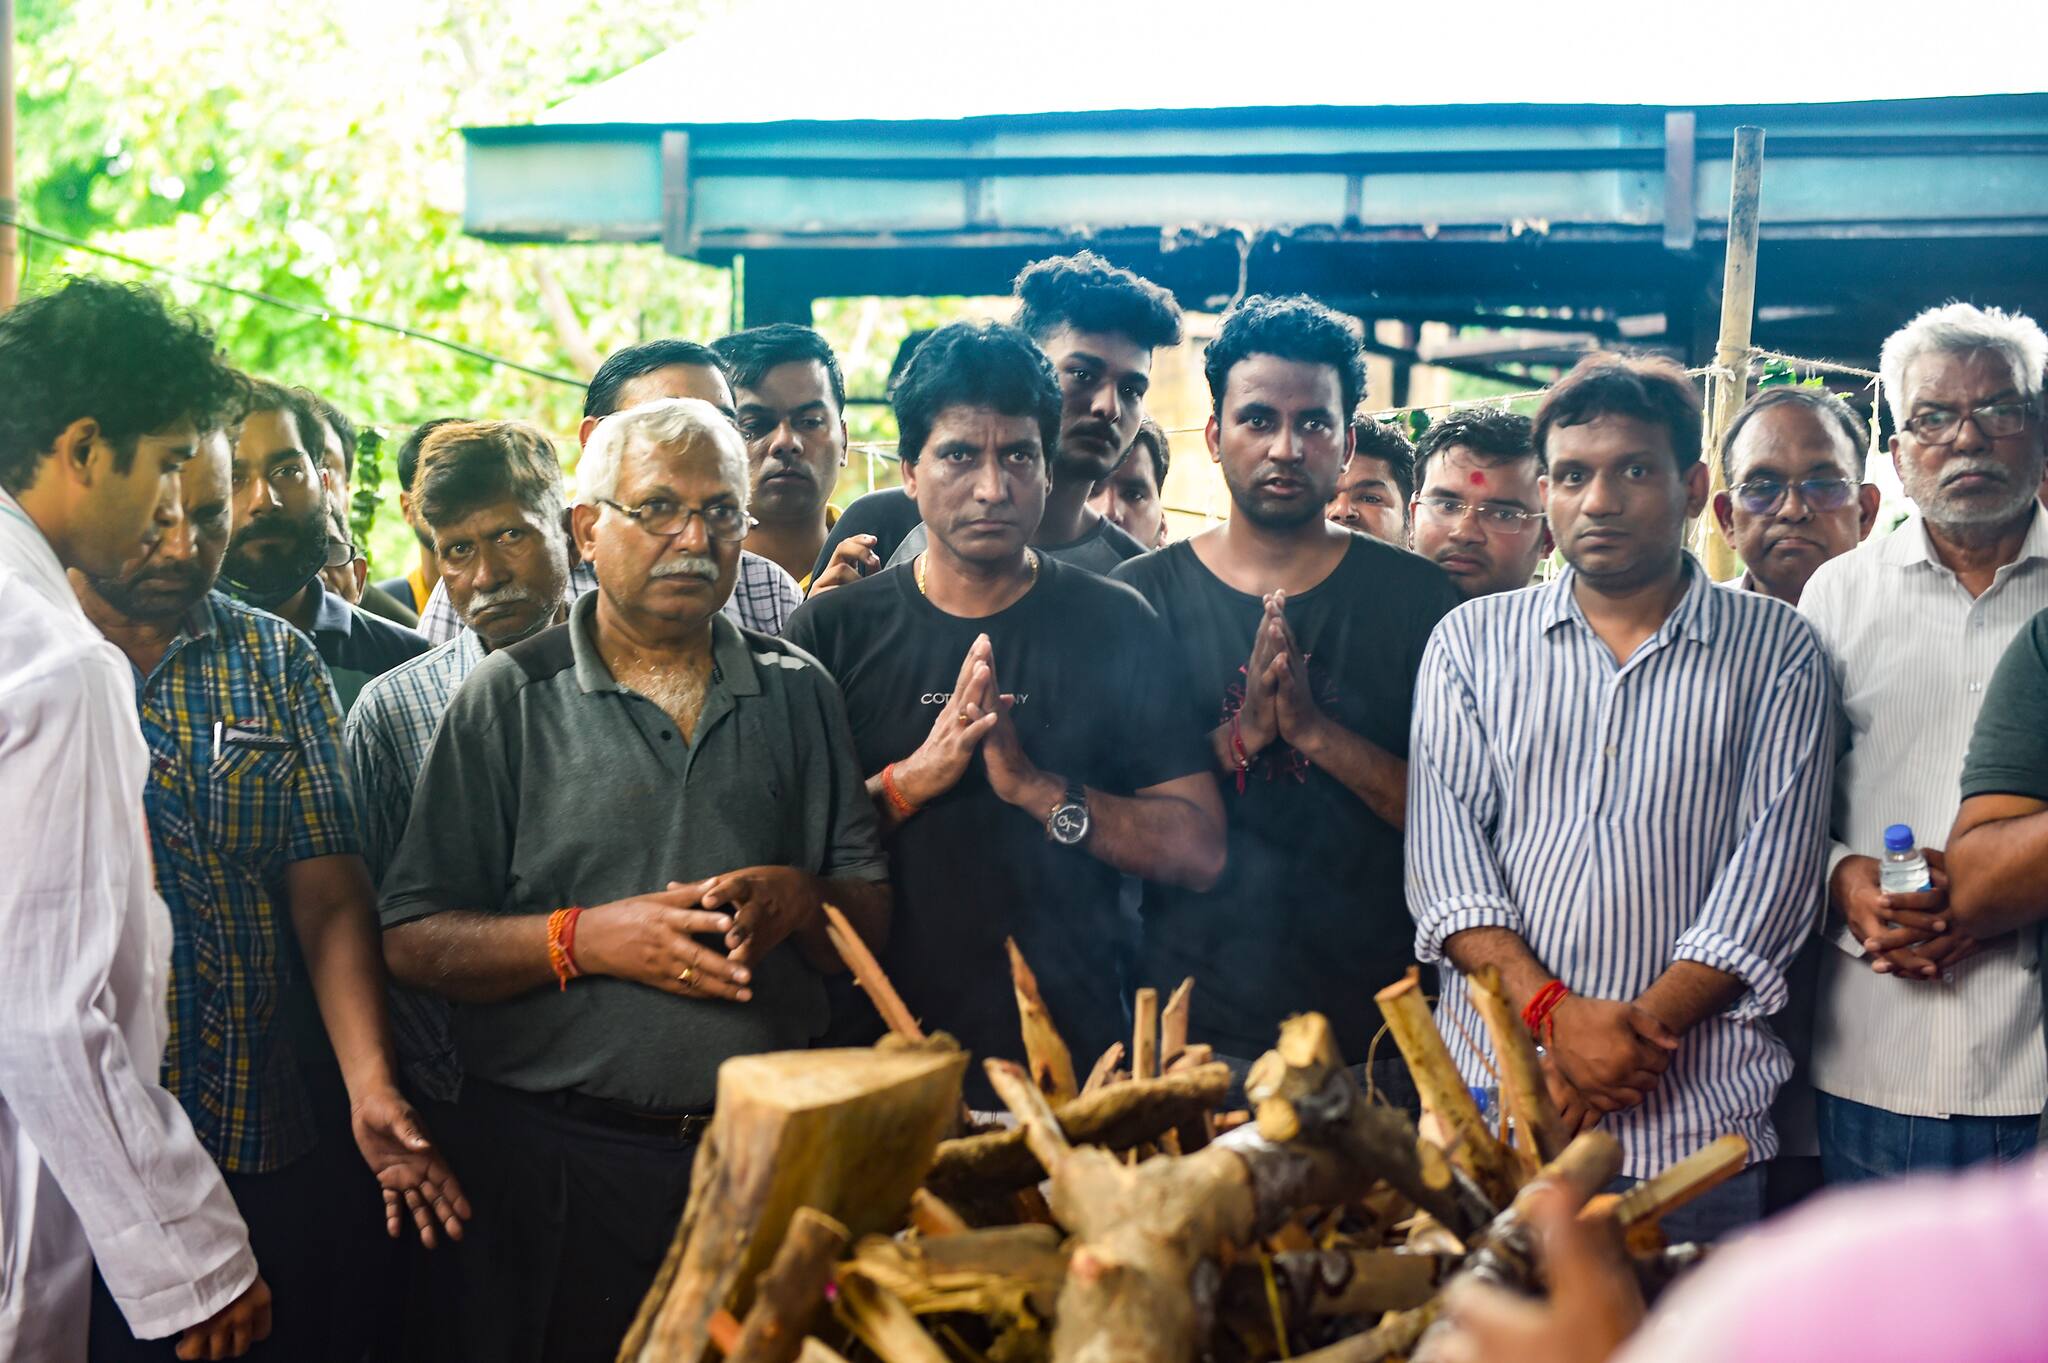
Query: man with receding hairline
654, 803
1793, 464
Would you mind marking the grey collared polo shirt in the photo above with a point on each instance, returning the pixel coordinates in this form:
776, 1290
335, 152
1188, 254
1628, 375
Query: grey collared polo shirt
550, 785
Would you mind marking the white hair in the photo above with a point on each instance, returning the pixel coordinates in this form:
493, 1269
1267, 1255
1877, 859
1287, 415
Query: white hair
664, 421
1956, 329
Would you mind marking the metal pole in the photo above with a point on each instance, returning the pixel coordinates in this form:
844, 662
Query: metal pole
10, 251
1729, 384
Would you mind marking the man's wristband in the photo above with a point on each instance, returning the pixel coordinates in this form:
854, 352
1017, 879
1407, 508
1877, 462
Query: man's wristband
562, 944
1536, 1016
904, 809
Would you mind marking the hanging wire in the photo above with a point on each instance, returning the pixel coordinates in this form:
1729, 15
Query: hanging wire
323, 314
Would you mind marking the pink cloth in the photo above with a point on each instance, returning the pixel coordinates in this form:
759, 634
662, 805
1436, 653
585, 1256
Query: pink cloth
1935, 1268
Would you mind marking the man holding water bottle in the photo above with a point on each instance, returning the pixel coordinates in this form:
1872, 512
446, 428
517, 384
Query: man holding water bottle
1927, 1045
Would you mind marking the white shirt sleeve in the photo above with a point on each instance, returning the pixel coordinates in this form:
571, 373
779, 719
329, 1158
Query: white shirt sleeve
84, 946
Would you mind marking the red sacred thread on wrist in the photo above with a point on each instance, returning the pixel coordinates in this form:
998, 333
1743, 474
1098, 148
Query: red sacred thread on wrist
561, 941
904, 809
1537, 1015
1238, 755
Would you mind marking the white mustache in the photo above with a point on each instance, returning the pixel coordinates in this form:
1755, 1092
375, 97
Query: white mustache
503, 596
689, 565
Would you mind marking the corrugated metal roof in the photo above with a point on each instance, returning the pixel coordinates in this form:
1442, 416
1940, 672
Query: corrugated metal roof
774, 61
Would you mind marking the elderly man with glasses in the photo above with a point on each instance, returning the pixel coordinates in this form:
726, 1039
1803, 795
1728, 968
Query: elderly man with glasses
1793, 464
652, 804
1927, 1037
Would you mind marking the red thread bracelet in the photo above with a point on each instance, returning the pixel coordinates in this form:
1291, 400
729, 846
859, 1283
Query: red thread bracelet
1237, 752
904, 809
561, 935
1536, 1016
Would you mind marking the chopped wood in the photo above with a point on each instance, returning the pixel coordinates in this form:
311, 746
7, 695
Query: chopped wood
1116, 1118
816, 1350
1523, 1091
1173, 1022
883, 1322
867, 973
1007, 1272
1104, 1072
1654, 1198
931, 1216
848, 1132
1052, 1064
1342, 1282
1443, 1090
789, 1295
1201, 1053
725, 1332
1145, 1035
1394, 1338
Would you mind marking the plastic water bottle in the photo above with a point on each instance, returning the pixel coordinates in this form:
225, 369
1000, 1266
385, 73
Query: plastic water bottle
1903, 870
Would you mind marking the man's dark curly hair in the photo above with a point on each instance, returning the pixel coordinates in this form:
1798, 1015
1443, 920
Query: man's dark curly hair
1295, 327
1649, 388
750, 354
1489, 433
1384, 441
974, 364
297, 403
113, 352
1087, 293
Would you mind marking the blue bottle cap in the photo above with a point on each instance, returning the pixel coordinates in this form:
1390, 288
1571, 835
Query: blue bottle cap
1898, 838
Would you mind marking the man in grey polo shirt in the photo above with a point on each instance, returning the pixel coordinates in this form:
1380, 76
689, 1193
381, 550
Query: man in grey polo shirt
693, 786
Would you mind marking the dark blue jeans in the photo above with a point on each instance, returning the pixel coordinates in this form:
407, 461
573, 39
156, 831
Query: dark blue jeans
1859, 1142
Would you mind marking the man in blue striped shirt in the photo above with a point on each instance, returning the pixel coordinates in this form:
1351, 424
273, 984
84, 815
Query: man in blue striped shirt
1619, 781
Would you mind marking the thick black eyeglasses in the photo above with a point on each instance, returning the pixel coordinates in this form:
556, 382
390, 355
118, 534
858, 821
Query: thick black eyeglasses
1763, 496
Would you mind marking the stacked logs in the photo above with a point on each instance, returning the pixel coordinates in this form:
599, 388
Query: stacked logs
842, 1207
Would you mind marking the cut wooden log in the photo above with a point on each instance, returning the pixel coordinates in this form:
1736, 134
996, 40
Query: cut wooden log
816, 1350
1116, 1118
1052, 1064
1340, 1282
1523, 1091
1003, 1272
1145, 1035
1302, 1090
867, 973
789, 1295
1104, 1072
883, 1322
1443, 1090
1394, 1338
1642, 1206
1201, 1053
1173, 1022
848, 1132
931, 1216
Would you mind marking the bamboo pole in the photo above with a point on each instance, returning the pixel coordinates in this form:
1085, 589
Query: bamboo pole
10, 201
1729, 385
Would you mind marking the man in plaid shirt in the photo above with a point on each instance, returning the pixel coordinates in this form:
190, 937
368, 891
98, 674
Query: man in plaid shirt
253, 833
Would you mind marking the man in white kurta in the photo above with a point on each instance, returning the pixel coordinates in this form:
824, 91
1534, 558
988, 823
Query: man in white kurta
97, 1161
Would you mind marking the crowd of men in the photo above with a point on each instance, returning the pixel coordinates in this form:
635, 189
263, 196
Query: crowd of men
391, 1028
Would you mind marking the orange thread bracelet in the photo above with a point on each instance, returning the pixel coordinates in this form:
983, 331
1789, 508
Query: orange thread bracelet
904, 809
561, 942
1537, 1015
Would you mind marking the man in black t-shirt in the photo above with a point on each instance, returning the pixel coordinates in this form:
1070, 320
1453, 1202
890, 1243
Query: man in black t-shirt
1025, 744
1099, 325
1302, 640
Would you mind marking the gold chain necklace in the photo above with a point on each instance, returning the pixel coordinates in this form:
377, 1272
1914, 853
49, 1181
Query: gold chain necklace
1030, 562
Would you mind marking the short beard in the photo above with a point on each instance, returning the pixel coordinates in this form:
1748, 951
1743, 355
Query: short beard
1925, 491
271, 581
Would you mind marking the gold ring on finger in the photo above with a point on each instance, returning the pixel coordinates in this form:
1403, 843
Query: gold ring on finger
689, 973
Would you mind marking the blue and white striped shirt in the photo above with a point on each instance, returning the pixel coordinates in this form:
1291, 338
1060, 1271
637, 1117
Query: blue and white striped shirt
1620, 817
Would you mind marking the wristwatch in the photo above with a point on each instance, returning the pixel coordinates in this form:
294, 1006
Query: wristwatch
1068, 824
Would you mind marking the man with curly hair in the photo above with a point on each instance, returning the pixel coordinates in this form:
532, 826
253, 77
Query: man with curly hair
107, 395
1301, 640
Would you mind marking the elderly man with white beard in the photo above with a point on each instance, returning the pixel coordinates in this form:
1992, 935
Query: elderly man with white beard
1927, 1049
621, 838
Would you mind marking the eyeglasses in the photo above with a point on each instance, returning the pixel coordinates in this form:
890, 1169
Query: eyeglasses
1763, 496
1449, 511
662, 517
1940, 426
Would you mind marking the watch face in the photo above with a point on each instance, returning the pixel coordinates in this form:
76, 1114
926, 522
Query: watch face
1069, 824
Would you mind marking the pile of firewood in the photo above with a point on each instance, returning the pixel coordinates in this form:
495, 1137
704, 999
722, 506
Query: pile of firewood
843, 1205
